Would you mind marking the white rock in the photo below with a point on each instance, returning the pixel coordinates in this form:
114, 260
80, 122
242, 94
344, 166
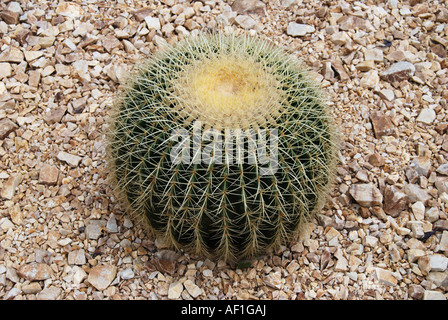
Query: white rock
444, 241
387, 94
71, 159
77, 257
298, 29
94, 228
443, 169
15, 7
5, 70
102, 276
370, 79
175, 290
9, 188
192, 288
370, 241
6, 224
111, 224
433, 295
127, 274
418, 209
366, 195
153, 23
79, 275
51, 293
373, 54
340, 38
385, 277
427, 116
432, 214
438, 262
69, 9
245, 21
12, 293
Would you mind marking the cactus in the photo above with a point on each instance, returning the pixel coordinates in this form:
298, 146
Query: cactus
222, 145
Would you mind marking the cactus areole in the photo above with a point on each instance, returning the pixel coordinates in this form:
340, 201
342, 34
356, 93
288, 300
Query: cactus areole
222, 145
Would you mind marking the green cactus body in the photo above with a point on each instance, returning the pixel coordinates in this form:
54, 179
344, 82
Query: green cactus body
218, 202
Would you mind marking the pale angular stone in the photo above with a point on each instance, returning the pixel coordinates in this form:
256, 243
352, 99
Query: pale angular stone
226, 18
443, 169
192, 288
245, 21
11, 294
79, 275
415, 193
432, 214
387, 94
340, 38
414, 254
51, 293
55, 114
367, 195
6, 224
444, 241
70, 159
43, 42
35, 271
127, 274
370, 79
341, 264
111, 224
94, 228
349, 22
418, 209
153, 23
422, 165
9, 188
298, 29
12, 54
373, 55
433, 295
416, 228
102, 276
69, 9
385, 277
16, 214
370, 241
175, 290
5, 70
77, 257
427, 116
33, 55
438, 262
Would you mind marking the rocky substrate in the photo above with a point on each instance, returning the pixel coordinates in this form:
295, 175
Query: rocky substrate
383, 233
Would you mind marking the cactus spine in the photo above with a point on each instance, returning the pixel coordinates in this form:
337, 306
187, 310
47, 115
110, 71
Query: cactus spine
177, 169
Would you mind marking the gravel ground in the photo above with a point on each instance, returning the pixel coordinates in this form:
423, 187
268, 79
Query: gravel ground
383, 234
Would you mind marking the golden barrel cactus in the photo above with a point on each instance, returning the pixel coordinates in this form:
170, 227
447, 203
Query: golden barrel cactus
222, 145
